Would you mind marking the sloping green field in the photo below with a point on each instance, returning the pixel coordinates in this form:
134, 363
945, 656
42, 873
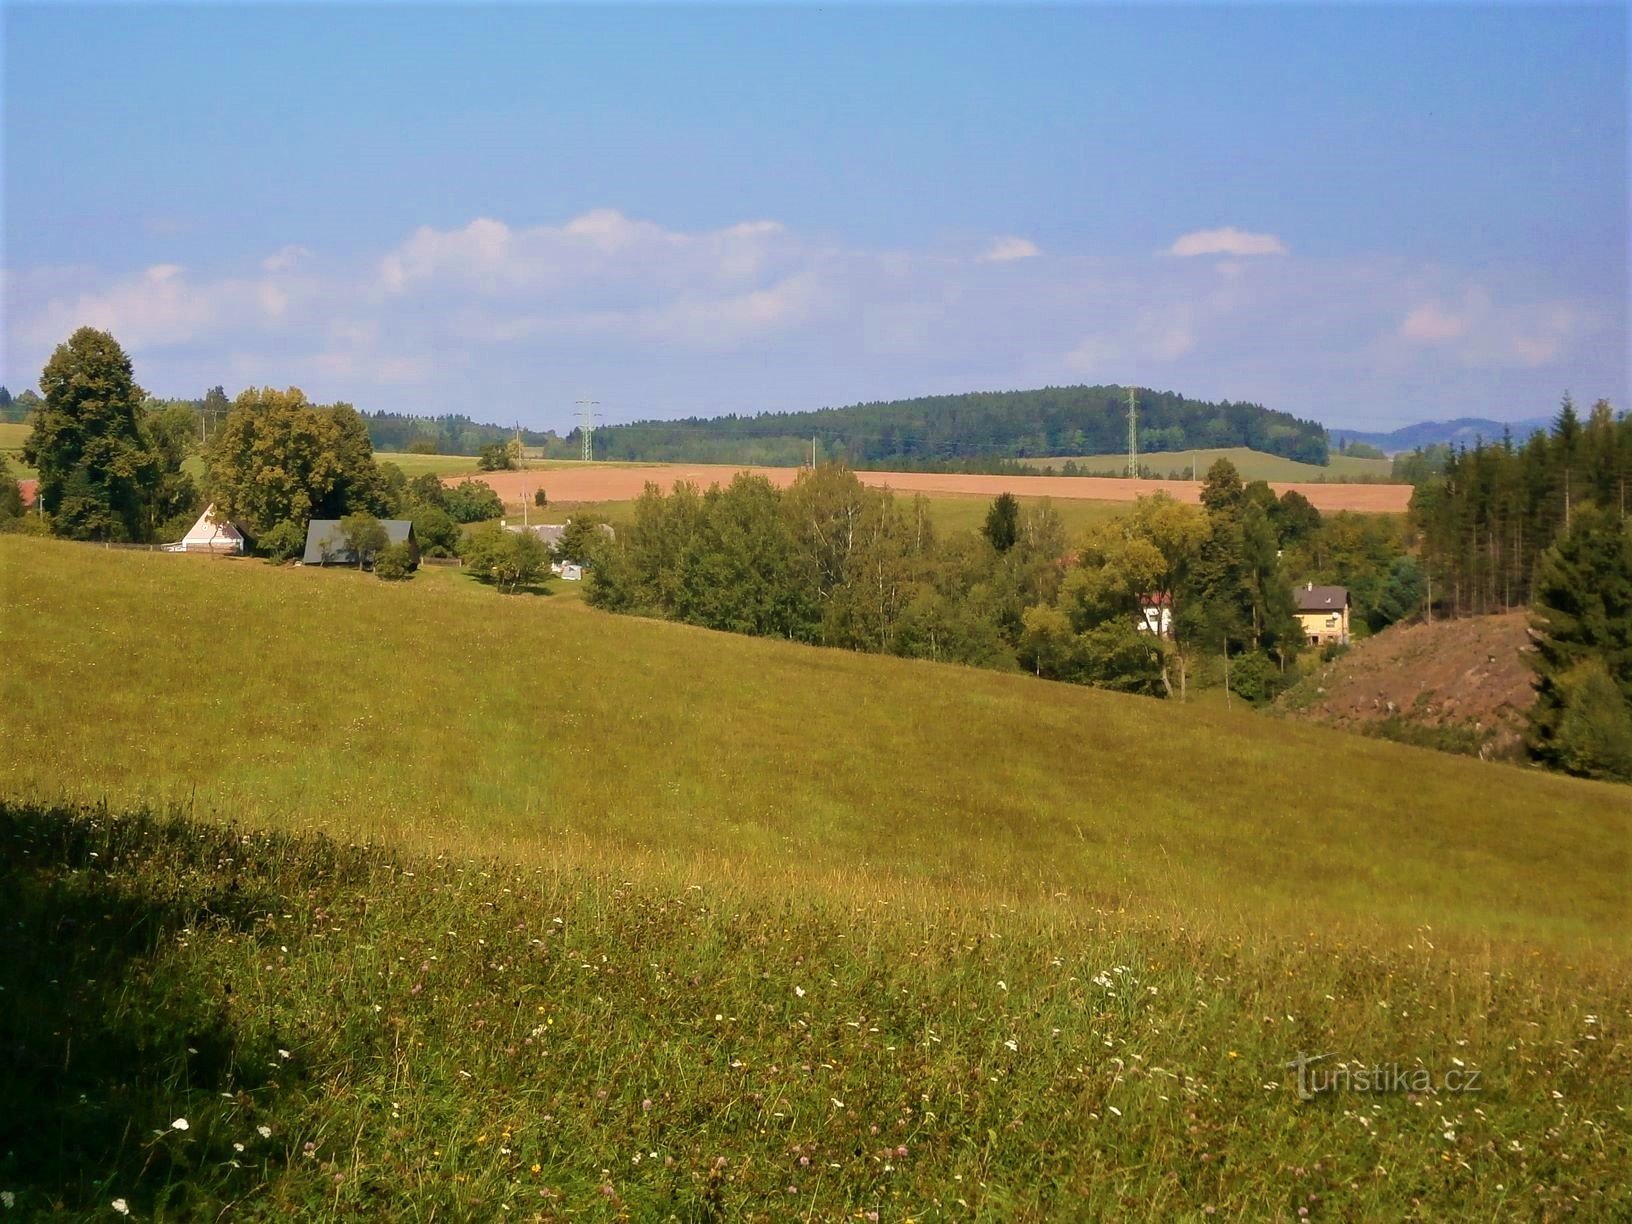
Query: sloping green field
671, 924
1253, 465
438, 715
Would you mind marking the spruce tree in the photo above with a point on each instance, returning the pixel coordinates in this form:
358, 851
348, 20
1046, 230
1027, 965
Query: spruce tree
1582, 615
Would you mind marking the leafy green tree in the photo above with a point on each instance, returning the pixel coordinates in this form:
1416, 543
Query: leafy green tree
282, 541
364, 536
471, 501
427, 489
1582, 613
1402, 593
1002, 525
394, 563
422, 445
1594, 730
98, 468
435, 529
583, 538
11, 497
508, 560
275, 458
541, 499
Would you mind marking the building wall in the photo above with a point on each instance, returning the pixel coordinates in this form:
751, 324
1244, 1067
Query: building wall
1323, 627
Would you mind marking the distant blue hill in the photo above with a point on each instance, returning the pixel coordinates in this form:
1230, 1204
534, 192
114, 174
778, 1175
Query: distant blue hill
1464, 431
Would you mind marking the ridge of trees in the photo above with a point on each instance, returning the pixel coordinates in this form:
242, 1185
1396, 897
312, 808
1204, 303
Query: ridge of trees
972, 427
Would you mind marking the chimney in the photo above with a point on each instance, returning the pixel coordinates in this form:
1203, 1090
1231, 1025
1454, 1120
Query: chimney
1310, 587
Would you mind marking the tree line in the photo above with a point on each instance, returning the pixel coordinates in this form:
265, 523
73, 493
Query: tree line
834, 562
1052, 421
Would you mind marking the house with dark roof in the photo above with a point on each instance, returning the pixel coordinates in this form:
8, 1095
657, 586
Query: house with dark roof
325, 545
1324, 613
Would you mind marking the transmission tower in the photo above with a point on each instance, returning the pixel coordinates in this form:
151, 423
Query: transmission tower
586, 426
1133, 435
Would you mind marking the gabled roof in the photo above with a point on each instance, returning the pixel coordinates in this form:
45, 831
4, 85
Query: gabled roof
1312, 598
324, 543
213, 529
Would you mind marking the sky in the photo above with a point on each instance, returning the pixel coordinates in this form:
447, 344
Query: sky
1367, 215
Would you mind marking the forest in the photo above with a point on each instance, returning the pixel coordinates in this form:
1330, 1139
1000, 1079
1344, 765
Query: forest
1488, 517
956, 430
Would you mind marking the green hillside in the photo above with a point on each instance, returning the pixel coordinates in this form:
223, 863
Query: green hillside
941, 430
664, 923
12, 436
1252, 464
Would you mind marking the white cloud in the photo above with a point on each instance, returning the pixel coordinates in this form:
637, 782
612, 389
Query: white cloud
755, 315
1010, 248
285, 258
1226, 241
1431, 323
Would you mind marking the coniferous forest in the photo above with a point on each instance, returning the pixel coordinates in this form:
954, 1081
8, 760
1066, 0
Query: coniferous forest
1487, 520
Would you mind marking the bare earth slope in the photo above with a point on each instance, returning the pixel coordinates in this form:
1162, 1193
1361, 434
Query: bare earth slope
1465, 675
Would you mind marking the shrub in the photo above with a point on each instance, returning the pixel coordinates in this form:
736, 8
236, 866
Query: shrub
282, 542
1255, 677
395, 562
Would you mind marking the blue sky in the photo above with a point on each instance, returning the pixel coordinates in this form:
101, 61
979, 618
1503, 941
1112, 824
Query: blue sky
1365, 214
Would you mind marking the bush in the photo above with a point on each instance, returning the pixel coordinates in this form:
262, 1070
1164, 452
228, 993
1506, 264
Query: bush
422, 446
1256, 677
395, 563
1594, 738
282, 542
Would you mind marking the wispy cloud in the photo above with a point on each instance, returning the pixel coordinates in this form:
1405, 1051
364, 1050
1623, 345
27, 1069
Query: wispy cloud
1010, 247
1226, 241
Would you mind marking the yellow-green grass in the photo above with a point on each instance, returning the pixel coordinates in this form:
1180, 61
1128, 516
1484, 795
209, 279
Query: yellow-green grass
1253, 465
440, 715
949, 512
436, 465
12, 436
697, 926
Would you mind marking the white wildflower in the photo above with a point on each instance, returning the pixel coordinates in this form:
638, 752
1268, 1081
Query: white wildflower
800, 991
8, 1200
1012, 1044
265, 1132
179, 1124
122, 1207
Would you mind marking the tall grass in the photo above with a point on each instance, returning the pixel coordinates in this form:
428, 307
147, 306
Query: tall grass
660, 923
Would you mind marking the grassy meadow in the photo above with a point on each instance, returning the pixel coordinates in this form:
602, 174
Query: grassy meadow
12, 436
461, 906
1253, 465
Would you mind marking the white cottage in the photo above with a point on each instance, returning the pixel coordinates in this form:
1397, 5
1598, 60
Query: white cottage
213, 533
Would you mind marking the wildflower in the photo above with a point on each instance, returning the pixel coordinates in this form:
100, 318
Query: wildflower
285, 1055
1114, 1110
122, 1207
237, 1147
800, 991
8, 1200
179, 1124
265, 1132
1012, 1044
646, 1104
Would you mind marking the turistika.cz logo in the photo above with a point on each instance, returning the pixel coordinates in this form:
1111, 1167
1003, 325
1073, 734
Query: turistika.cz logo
1377, 1077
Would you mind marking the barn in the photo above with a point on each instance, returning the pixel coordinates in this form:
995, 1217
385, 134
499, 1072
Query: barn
326, 545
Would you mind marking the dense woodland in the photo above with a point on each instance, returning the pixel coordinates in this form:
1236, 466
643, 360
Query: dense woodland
941, 430
1487, 517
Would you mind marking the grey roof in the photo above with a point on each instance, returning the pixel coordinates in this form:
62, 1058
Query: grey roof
550, 533
1321, 598
321, 532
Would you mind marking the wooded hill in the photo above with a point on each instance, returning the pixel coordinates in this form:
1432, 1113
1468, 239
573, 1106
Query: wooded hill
955, 430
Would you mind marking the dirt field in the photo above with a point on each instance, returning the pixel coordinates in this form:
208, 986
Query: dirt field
1455, 673
587, 484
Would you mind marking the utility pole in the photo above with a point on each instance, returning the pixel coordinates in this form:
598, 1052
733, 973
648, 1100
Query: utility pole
1133, 436
813, 452
586, 425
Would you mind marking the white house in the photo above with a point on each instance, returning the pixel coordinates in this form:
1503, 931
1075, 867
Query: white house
213, 533
1156, 615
